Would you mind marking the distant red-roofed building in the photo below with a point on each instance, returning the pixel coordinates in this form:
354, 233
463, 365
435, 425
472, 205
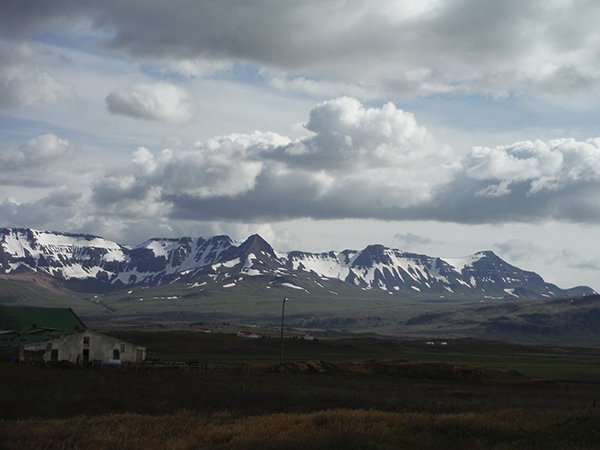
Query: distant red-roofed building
247, 334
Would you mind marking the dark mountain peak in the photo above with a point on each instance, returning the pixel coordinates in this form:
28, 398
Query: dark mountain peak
213, 249
372, 254
256, 244
220, 240
375, 248
489, 259
254, 253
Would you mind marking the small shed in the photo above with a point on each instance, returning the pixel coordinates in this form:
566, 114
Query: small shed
31, 334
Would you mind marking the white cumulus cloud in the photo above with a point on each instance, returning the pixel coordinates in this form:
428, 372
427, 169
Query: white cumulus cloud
162, 102
359, 162
545, 165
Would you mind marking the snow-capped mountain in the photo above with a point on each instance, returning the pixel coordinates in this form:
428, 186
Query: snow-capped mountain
92, 263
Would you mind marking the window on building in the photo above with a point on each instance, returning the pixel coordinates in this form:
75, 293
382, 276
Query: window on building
116, 354
54, 355
86, 340
122, 348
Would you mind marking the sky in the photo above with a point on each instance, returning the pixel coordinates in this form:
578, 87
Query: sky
440, 127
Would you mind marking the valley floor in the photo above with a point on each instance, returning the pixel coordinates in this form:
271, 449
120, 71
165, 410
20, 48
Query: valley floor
406, 395
360, 393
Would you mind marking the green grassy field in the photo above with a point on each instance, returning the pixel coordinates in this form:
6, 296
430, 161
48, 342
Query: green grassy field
247, 378
540, 361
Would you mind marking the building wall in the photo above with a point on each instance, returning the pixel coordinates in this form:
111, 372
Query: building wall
82, 347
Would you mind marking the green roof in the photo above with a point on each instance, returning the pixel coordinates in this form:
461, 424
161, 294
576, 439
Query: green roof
18, 339
23, 319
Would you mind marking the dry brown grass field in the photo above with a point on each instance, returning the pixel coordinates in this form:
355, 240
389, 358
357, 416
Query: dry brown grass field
332, 429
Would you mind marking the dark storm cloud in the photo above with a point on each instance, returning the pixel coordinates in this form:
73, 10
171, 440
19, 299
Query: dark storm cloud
399, 47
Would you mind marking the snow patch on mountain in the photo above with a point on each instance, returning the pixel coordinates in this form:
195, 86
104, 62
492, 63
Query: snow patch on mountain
293, 286
323, 264
459, 264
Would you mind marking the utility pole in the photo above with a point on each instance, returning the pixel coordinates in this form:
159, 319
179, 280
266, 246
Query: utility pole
282, 314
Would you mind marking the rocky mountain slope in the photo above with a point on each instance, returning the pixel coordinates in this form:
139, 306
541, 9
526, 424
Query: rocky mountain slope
93, 264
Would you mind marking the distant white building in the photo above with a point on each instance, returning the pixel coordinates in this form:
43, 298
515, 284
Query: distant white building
308, 337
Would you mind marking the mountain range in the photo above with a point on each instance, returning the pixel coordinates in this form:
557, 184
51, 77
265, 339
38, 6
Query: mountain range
93, 264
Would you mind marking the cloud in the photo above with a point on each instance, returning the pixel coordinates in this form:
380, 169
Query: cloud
409, 240
400, 48
527, 181
161, 102
199, 67
360, 162
59, 210
44, 161
519, 250
546, 165
320, 88
357, 162
23, 83
572, 260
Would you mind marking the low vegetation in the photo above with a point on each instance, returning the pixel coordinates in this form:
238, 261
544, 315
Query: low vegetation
363, 393
330, 430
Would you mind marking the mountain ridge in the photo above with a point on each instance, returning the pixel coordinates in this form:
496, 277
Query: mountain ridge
94, 264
